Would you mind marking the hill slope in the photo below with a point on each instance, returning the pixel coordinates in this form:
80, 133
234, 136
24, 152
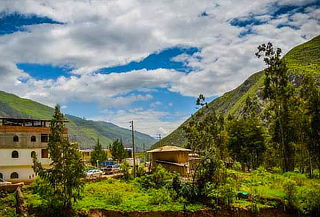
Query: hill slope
301, 59
85, 132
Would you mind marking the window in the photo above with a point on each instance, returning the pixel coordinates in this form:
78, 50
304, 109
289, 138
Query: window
44, 153
1, 176
15, 154
44, 138
33, 139
14, 175
16, 138
33, 154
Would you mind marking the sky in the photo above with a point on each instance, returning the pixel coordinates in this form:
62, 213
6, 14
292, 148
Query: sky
141, 60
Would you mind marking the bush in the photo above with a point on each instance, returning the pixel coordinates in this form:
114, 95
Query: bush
155, 180
189, 192
236, 166
289, 187
140, 170
307, 200
159, 196
125, 169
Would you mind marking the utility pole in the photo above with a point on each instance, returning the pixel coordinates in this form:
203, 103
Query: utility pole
159, 137
133, 150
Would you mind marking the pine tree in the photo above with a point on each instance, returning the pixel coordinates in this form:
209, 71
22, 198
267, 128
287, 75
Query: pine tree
98, 154
62, 181
117, 150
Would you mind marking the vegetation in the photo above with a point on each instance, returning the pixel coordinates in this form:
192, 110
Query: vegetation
301, 60
117, 150
98, 154
60, 185
7, 204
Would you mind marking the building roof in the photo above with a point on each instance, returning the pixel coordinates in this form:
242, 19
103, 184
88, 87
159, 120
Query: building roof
169, 148
25, 122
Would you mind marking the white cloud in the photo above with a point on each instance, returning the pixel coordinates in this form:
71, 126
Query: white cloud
146, 121
99, 34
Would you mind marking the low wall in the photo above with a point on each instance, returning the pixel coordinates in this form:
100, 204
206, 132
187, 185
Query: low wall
201, 213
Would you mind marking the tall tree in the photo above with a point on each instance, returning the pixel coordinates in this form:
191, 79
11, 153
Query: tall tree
247, 142
98, 154
117, 150
247, 136
278, 89
311, 94
62, 181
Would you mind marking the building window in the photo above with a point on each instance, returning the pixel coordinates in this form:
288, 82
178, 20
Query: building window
33, 139
33, 154
15, 154
14, 175
44, 153
44, 138
16, 138
1, 176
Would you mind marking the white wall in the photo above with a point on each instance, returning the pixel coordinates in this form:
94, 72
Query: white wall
24, 158
21, 165
23, 172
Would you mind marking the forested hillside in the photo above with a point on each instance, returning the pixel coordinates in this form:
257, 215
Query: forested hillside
85, 132
301, 60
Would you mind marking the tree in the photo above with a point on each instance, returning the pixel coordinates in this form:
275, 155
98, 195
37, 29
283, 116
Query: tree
62, 181
98, 154
117, 150
311, 94
246, 142
278, 89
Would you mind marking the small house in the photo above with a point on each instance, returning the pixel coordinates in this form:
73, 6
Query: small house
173, 158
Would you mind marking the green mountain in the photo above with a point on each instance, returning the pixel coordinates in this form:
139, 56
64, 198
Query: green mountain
85, 132
304, 58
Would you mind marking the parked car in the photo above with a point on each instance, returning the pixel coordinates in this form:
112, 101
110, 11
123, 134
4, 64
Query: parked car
3, 182
94, 172
111, 169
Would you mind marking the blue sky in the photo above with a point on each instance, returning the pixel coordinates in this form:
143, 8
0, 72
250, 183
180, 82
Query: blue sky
120, 61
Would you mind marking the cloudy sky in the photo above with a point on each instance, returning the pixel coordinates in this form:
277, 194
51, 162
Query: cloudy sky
141, 60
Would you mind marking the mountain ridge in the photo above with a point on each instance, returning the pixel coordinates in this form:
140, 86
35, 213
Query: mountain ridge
304, 58
85, 132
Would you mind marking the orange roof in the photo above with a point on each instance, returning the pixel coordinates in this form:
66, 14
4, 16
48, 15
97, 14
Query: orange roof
169, 148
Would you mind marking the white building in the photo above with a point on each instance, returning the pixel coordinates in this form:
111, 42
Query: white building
20, 139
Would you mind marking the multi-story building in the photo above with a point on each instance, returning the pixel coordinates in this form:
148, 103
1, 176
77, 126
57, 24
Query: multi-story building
20, 139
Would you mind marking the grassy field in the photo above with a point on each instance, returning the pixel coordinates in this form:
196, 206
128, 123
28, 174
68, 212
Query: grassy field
122, 195
266, 190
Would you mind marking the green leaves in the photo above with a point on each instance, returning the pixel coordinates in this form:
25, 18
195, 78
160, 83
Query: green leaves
62, 180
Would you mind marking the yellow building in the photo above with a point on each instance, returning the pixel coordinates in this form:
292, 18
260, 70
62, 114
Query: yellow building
173, 158
20, 139
86, 155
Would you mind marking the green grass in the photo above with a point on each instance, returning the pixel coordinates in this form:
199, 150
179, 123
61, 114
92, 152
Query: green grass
128, 196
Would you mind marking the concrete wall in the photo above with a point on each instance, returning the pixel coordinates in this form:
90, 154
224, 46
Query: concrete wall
21, 165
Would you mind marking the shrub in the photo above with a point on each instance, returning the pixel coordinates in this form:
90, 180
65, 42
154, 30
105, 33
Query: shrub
155, 180
289, 187
307, 200
236, 166
140, 170
125, 169
159, 196
189, 192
